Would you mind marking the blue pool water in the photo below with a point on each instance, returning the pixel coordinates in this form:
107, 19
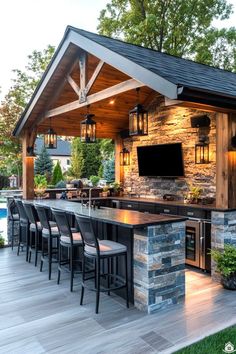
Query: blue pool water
3, 213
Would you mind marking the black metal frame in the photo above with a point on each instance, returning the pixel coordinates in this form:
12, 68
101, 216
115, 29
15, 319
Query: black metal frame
12, 209
114, 281
62, 220
23, 229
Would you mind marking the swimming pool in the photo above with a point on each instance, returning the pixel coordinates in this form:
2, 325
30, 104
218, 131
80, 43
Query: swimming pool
3, 220
3, 213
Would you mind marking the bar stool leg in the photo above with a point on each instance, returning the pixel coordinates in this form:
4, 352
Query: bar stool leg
126, 280
98, 283
49, 257
59, 264
36, 240
71, 269
83, 277
20, 236
12, 234
42, 256
109, 272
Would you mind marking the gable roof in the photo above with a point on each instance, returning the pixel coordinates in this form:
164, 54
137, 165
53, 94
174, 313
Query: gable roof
63, 148
173, 77
179, 71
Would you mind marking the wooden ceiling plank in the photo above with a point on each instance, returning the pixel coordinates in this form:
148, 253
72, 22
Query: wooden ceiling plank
83, 58
106, 93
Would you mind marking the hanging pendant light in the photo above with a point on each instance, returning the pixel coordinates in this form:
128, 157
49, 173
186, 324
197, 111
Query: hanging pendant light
124, 157
138, 119
50, 138
88, 128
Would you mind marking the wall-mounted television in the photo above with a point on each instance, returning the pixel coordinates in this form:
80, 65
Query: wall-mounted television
163, 160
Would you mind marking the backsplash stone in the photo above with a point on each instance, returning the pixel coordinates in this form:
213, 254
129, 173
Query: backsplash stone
171, 125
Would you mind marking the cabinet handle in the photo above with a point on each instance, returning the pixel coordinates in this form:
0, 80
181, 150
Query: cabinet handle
166, 210
129, 206
190, 213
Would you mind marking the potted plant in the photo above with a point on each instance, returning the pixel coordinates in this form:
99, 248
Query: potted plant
40, 186
194, 194
105, 191
2, 241
117, 188
226, 265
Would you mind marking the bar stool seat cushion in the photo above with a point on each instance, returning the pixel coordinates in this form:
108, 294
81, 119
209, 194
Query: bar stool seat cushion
76, 238
15, 217
54, 232
33, 228
106, 247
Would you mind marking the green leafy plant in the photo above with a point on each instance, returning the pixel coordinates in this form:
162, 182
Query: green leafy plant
2, 241
225, 260
40, 185
105, 188
116, 186
94, 180
57, 175
61, 184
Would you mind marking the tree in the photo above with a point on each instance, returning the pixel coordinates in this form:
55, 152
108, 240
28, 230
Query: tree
43, 164
57, 174
77, 160
177, 27
109, 170
13, 105
92, 159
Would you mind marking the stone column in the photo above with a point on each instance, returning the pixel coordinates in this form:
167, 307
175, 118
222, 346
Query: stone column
159, 263
223, 231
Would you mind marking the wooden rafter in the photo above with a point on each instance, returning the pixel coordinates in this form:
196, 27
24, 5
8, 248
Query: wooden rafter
98, 96
83, 76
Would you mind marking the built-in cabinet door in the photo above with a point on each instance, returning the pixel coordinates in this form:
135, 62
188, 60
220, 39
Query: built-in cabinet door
192, 245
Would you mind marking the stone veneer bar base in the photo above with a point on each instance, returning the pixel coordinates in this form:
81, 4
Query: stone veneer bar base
159, 263
223, 231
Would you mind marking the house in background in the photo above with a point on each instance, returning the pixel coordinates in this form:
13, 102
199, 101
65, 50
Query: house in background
62, 153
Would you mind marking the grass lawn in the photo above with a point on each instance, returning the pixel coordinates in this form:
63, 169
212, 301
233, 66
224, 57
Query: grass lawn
213, 344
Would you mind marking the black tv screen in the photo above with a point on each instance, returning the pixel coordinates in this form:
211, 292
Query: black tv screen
164, 160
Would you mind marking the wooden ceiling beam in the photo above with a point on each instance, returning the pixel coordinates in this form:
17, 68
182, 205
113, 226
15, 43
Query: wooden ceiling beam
83, 60
98, 96
74, 85
94, 76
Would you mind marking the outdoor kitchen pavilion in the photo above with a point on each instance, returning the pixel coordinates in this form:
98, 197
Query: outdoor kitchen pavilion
88, 69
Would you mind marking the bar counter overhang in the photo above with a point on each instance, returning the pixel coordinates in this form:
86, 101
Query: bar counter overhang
156, 251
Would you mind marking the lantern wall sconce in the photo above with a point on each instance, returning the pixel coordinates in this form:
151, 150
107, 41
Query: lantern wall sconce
88, 129
138, 119
50, 138
124, 157
202, 150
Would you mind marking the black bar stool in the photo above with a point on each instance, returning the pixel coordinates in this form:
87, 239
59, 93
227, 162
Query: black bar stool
101, 250
35, 230
51, 235
13, 218
23, 229
70, 239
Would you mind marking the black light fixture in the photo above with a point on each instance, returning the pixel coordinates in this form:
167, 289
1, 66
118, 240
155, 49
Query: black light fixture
233, 142
30, 151
124, 157
138, 119
50, 138
202, 151
88, 128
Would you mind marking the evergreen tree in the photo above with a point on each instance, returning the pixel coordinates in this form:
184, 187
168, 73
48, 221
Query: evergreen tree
92, 159
77, 160
109, 170
57, 175
43, 163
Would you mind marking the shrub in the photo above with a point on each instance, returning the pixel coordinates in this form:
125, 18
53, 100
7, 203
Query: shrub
2, 241
225, 260
94, 180
61, 184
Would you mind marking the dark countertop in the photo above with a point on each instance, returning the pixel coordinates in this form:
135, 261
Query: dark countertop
127, 218
208, 207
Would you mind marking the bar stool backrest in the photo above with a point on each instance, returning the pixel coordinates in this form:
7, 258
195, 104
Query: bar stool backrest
12, 208
23, 216
31, 213
43, 216
87, 232
62, 223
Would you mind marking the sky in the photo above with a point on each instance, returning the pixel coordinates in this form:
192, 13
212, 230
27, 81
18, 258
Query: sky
27, 25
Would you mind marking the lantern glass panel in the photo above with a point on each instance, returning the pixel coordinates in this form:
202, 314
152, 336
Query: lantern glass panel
50, 139
124, 157
202, 153
88, 129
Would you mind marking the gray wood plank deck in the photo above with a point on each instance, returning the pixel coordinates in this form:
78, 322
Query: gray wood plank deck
38, 316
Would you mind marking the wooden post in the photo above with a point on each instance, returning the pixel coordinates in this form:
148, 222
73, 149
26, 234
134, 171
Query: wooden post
28, 166
119, 170
225, 161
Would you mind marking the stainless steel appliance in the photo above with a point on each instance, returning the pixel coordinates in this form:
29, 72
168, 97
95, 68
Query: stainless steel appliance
198, 243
